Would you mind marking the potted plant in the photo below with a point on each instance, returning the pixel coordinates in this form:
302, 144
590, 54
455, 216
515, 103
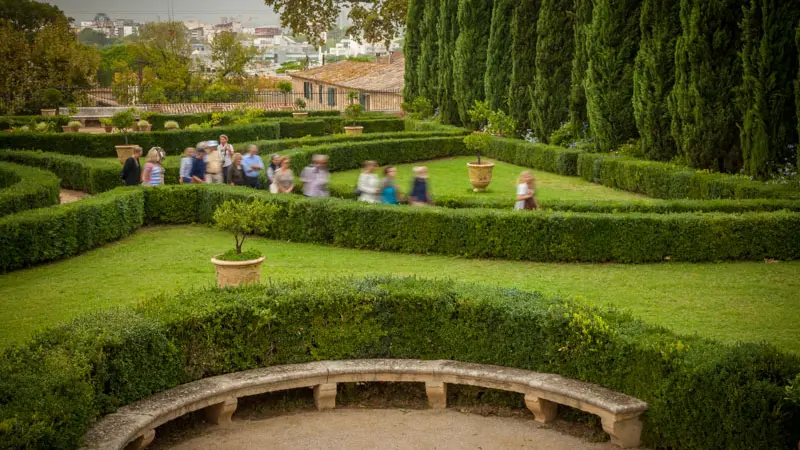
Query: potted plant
124, 120
171, 125
42, 127
51, 99
352, 113
480, 172
73, 126
286, 88
107, 124
301, 105
143, 125
352, 96
235, 266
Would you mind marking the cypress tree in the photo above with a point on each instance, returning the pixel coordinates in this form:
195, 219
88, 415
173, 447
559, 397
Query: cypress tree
707, 73
797, 96
554, 53
769, 65
428, 66
654, 76
411, 48
580, 63
523, 58
448, 32
469, 63
498, 62
612, 43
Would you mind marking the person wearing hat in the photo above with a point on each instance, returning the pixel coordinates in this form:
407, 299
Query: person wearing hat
198, 173
226, 153
213, 164
316, 177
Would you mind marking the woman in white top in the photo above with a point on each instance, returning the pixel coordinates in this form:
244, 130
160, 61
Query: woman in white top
526, 191
368, 183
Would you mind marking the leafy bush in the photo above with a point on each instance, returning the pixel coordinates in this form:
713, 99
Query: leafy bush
300, 103
52, 98
57, 383
244, 218
353, 112
226, 118
419, 109
76, 172
171, 125
497, 123
55, 122
43, 127
143, 124
74, 125
23, 188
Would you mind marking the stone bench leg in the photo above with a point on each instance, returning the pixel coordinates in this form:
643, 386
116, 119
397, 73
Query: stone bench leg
625, 433
325, 396
220, 413
142, 441
544, 411
437, 394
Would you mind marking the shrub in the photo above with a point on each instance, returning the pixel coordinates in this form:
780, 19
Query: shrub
300, 103
171, 125
43, 127
52, 98
76, 172
353, 112
244, 218
57, 383
55, 122
143, 124
74, 125
419, 109
23, 188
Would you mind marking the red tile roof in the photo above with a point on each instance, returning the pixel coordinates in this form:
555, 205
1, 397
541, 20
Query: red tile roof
363, 76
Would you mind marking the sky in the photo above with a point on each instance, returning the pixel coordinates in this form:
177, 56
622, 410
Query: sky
251, 12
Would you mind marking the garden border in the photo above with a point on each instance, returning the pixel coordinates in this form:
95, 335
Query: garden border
27, 188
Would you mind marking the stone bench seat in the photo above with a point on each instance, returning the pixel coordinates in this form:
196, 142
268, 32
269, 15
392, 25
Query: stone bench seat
133, 426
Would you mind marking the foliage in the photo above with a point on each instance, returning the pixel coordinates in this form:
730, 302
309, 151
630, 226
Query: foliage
550, 93
244, 218
469, 61
54, 123
23, 188
74, 125
284, 86
52, 98
419, 109
353, 112
654, 76
94, 38
43, 127
247, 255
768, 131
229, 55
123, 121
477, 143
578, 115
300, 103
29, 16
144, 124
497, 123
78, 173
412, 48
523, 60
612, 43
708, 69
171, 125
448, 34
292, 65
428, 64
498, 56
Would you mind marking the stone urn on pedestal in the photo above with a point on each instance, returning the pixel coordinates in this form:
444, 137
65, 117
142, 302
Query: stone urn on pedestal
480, 172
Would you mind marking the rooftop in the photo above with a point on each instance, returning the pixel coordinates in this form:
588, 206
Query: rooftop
365, 76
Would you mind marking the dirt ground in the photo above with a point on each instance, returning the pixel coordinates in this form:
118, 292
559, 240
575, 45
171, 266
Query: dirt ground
68, 196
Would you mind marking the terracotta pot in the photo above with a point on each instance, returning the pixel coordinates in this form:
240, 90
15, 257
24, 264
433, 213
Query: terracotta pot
49, 112
234, 273
66, 129
287, 108
480, 175
353, 130
124, 152
216, 109
300, 115
109, 128
147, 128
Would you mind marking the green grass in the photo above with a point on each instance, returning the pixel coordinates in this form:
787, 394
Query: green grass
730, 301
449, 177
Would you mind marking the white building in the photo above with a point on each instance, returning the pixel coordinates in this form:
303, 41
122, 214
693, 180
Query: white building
349, 47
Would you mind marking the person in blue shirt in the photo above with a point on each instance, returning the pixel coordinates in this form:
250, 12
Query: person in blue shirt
419, 195
389, 193
253, 165
186, 166
198, 173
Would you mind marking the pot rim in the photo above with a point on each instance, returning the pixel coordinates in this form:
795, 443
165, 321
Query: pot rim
354, 127
249, 262
482, 164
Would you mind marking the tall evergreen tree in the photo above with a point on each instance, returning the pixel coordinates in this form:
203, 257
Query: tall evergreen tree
554, 52
412, 47
448, 33
708, 72
498, 62
797, 95
612, 42
654, 76
523, 58
769, 64
428, 66
470, 56
580, 63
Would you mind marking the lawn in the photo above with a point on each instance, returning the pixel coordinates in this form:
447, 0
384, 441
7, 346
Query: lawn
731, 301
449, 177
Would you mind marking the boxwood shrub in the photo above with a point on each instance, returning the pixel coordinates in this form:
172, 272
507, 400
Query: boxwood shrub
54, 233
276, 146
702, 394
184, 120
23, 188
8, 122
76, 172
549, 158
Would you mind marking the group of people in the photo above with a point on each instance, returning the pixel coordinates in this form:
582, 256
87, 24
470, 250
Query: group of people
213, 162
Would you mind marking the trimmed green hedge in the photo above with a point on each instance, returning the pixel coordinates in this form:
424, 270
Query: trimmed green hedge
184, 120
76, 172
549, 158
8, 122
50, 234
277, 146
702, 394
23, 188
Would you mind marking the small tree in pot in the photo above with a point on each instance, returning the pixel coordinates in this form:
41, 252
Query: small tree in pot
301, 105
108, 125
286, 88
51, 98
73, 126
236, 266
352, 113
124, 120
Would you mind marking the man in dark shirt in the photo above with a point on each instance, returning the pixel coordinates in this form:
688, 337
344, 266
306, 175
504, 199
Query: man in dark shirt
199, 167
131, 170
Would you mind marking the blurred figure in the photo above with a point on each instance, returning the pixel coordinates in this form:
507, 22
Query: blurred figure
132, 170
389, 193
419, 195
526, 191
186, 166
198, 173
153, 174
253, 165
213, 163
368, 184
316, 177
236, 171
284, 178
226, 152
274, 164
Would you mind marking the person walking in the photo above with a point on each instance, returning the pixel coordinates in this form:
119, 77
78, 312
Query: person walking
213, 164
235, 174
526, 191
274, 164
284, 178
132, 170
389, 193
368, 183
316, 177
186, 166
419, 195
253, 165
153, 174
226, 152
198, 173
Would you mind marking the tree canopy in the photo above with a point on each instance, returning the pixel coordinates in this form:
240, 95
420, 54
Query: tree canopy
29, 16
229, 55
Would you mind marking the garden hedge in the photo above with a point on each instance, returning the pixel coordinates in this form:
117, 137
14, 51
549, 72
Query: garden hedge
8, 122
23, 188
76, 172
184, 120
54, 233
701, 394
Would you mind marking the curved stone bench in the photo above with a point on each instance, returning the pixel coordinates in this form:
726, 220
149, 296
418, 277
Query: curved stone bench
133, 426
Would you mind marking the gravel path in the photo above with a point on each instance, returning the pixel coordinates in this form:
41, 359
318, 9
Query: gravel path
394, 429
68, 196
